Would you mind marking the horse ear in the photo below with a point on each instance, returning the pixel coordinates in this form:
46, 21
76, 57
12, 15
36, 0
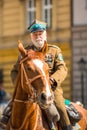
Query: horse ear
45, 48
21, 48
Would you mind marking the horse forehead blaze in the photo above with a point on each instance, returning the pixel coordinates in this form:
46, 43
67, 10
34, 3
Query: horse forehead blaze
40, 65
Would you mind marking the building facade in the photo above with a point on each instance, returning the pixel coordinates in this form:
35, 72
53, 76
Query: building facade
16, 16
79, 51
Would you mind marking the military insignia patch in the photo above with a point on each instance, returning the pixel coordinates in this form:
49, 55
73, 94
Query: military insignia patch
60, 57
49, 58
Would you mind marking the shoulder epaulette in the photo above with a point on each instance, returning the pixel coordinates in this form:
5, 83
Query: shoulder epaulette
49, 45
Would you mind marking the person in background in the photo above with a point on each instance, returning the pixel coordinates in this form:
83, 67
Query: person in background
57, 67
2, 93
4, 96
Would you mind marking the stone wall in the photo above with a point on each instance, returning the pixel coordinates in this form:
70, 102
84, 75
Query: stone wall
79, 43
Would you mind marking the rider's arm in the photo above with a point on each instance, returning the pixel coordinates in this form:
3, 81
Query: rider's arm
60, 68
14, 71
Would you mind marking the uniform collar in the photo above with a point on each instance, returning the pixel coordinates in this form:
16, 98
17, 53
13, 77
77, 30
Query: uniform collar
36, 49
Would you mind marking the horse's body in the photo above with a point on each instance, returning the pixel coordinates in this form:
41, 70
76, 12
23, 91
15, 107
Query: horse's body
33, 91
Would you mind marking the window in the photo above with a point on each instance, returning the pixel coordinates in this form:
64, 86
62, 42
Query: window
86, 4
79, 14
31, 11
47, 12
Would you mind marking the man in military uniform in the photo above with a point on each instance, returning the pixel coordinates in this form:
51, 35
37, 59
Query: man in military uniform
57, 67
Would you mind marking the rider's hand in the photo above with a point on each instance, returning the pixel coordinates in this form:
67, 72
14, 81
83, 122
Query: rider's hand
53, 83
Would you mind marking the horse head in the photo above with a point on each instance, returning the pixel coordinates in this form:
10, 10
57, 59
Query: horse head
35, 77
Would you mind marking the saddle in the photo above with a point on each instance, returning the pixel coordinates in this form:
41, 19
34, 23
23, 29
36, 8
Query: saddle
73, 114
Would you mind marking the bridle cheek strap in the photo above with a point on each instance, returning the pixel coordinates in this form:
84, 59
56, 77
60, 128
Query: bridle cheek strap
30, 88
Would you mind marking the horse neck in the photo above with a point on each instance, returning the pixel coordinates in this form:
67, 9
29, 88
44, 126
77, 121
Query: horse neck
19, 91
26, 108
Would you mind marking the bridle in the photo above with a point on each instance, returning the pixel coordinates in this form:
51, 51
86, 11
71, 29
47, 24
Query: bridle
32, 96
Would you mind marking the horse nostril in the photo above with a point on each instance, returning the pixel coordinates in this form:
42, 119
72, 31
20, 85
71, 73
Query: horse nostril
43, 96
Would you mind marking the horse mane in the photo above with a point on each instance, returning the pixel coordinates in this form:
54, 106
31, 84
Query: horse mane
34, 54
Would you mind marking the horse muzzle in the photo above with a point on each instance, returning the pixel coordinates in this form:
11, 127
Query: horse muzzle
44, 100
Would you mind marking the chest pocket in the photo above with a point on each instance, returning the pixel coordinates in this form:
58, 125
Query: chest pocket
49, 59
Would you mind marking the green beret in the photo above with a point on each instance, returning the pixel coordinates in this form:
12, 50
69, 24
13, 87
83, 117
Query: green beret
37, 26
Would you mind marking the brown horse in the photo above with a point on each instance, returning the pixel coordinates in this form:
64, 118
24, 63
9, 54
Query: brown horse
33, 91
83, 122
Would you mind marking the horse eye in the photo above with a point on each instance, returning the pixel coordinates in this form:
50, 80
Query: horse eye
28, 68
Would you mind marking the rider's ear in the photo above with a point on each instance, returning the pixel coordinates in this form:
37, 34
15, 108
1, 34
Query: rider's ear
45, 48
21, 48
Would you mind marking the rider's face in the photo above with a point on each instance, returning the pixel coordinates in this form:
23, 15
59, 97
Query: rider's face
38, 38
